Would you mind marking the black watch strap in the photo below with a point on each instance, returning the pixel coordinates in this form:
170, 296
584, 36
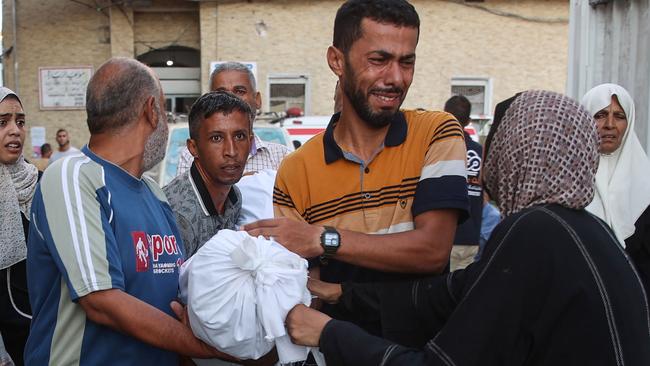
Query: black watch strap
330, 240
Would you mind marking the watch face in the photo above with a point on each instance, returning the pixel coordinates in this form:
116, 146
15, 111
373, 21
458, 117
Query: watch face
331, 239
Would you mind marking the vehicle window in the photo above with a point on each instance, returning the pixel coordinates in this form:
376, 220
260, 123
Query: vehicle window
270, 134
177, 140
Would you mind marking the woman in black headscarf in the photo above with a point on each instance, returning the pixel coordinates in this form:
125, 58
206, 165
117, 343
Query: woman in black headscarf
553, 287
17, 185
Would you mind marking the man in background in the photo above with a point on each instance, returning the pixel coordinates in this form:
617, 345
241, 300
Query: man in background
44, 160
237, 78
65, 148
467, 238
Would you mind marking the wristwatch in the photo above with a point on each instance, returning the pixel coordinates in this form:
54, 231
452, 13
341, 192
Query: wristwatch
330, 240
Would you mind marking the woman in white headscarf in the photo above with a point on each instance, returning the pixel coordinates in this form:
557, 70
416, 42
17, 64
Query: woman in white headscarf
17, 185
622, 192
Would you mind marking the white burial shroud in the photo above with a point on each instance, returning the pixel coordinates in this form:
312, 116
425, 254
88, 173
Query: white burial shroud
256, 196
239, 289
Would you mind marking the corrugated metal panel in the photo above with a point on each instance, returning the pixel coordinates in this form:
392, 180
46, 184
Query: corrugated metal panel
611, 43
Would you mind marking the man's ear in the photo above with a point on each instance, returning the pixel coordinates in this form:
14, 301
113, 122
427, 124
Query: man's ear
258, 100
150, 112
191, 146
336, 60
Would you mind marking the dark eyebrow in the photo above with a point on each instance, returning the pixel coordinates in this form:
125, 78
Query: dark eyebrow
9, 114
387, 54
409, 56
382, 53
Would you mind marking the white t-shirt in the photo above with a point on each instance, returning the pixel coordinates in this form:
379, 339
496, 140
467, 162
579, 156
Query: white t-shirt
61, 154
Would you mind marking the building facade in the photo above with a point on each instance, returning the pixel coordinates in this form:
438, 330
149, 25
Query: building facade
487, 50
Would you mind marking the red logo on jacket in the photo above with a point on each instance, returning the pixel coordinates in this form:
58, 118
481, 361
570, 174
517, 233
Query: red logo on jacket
141, 246
155, 246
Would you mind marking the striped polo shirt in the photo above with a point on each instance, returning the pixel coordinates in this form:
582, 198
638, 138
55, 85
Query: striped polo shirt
96, 227
421, 167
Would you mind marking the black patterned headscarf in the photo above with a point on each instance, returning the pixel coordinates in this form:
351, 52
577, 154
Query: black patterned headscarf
542, 148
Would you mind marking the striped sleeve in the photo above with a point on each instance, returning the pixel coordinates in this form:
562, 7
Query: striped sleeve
443, 179
283, 204
80, 238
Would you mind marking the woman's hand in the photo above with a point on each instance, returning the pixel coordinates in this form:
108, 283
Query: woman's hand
305, 325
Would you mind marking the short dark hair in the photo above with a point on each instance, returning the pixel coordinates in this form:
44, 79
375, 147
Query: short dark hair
45, 148
213, 102
61, 130
347, 24
116, 93
460, 107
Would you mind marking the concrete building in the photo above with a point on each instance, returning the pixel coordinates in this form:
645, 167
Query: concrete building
487, 50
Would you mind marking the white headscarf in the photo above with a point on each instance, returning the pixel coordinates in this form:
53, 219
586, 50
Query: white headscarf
17, 186
622, 192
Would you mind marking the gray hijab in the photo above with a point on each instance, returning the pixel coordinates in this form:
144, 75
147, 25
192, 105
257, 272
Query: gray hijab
17, 186
543, 148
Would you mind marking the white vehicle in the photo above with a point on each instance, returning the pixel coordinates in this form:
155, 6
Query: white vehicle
165, 171
273, 133
303, 128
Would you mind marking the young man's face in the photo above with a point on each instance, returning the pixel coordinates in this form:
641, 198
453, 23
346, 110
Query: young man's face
379, 70
238, 83
62, 138
222, 147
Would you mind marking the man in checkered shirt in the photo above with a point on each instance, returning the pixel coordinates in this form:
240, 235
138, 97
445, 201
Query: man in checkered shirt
237, 78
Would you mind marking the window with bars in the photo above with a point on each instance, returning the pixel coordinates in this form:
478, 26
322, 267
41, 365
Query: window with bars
288, 91
477, 90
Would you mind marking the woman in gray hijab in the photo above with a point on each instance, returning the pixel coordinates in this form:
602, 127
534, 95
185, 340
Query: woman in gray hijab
553, 288
17, 185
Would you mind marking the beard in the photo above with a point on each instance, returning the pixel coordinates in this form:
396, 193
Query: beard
154, 148
359, 101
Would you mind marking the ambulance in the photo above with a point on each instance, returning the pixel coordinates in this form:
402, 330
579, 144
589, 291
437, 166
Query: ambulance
303, 128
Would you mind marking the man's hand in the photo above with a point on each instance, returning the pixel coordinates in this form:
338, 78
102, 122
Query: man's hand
328, 292
180, 311
305, 325
297, 236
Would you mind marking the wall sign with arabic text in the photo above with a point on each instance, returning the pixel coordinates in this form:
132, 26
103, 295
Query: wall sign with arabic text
63, 87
